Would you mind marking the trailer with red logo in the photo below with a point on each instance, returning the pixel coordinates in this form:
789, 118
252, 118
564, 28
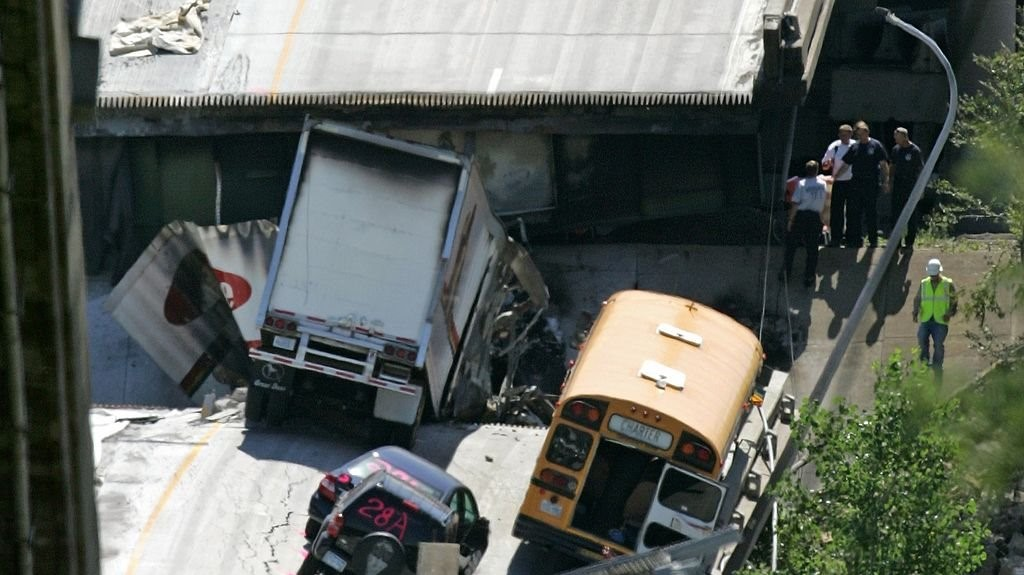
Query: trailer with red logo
390, 286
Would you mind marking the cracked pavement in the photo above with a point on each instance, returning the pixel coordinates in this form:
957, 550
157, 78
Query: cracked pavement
185, 496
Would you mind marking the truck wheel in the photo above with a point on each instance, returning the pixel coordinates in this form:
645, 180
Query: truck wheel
278, 403
405, 435
255, 405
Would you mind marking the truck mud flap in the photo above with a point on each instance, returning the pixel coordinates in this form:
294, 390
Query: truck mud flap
255, 405
279, 402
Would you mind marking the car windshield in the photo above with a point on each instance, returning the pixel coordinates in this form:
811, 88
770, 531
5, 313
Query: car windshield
379, 509
372, 462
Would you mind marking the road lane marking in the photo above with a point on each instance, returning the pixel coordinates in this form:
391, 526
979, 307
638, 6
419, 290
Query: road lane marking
133, 563
286, 50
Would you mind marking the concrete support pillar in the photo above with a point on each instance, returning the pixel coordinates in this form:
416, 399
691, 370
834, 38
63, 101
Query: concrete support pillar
48, 475
978, 27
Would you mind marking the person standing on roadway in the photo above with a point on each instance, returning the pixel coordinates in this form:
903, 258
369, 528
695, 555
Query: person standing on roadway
832, 161
906, 166
934, 305
806, 216
869, 163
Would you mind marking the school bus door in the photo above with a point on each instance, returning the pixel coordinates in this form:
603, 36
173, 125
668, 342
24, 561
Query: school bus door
686, 506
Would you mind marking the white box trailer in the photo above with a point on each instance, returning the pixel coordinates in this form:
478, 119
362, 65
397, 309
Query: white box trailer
388, 280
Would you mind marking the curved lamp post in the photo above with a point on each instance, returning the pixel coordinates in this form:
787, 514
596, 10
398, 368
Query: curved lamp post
875, 277
871, 286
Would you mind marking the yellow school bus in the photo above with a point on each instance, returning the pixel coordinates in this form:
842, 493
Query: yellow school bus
635, 454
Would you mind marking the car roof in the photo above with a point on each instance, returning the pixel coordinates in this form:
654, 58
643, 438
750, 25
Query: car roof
417, 467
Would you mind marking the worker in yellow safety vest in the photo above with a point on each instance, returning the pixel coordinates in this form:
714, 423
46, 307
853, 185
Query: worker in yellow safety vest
934, 304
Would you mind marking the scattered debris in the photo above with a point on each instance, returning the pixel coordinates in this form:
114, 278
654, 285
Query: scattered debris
141, 419
179, 31
522, 405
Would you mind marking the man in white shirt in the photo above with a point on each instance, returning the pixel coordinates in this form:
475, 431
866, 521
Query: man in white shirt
807, 215
832, 161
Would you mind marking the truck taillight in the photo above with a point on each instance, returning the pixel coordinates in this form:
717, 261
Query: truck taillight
279, 323
335, 524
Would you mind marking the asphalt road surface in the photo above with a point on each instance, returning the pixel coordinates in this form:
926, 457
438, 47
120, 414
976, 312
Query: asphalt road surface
181, 495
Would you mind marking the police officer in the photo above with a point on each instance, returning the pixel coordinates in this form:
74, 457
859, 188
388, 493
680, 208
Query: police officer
934, 305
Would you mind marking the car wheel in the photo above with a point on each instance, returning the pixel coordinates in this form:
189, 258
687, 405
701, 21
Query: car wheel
255, 405
312, 528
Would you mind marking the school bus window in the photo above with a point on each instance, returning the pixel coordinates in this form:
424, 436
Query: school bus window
658, 535
569, 447
691, 495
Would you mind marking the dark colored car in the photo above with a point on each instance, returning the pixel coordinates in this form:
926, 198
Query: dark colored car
378, 526
427, 477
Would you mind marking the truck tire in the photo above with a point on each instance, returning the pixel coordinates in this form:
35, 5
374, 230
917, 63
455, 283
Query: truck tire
278, 403
405, 435
255, 406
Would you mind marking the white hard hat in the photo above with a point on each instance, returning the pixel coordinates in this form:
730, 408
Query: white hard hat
934, 267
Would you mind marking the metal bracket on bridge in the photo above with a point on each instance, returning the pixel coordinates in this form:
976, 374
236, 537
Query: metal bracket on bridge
664, 560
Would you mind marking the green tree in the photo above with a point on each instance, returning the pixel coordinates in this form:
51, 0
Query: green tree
990, 132
888, 497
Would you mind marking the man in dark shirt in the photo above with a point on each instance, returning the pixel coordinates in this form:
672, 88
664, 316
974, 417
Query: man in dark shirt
906, 166
870, 164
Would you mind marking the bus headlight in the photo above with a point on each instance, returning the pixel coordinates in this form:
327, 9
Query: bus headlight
569, 447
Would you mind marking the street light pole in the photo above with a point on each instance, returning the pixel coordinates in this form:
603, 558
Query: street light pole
875, 278
871, 286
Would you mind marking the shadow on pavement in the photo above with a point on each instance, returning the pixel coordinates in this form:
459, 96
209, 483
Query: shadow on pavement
843, 277
304, 443
325, 448
892, 294
532, 559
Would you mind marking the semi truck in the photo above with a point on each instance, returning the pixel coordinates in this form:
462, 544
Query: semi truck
392, 287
